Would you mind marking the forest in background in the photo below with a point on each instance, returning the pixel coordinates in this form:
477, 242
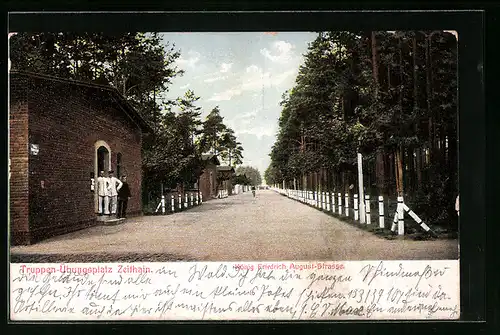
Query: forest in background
391, 96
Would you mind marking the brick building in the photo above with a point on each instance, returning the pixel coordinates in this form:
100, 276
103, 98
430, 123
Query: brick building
62, 132
225, 176
208, 179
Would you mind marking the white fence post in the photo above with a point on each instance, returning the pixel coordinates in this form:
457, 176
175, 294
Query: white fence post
347, 204
381, 211
163, 204
356, 212
192, 199
361, 189
196, 199
401, 213
201, 198
340, 203
333, 202
172, 202
186, 203
395, 221
328, 201
367, 209
180, 202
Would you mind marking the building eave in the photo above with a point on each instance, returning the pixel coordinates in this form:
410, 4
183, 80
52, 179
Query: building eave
127, 108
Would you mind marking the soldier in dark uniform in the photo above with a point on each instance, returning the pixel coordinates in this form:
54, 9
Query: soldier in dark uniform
123, 196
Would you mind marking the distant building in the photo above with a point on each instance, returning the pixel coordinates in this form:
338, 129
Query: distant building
208, 179
62, 133
225, 175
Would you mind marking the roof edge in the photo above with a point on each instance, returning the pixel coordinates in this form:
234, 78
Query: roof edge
143, 124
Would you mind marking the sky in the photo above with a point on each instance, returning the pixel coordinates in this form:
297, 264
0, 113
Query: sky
245, 74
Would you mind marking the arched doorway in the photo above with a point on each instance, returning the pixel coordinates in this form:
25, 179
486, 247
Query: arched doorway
102, 159
102, 162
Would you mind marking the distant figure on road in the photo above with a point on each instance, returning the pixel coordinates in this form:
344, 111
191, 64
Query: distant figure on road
123, 196
253, 190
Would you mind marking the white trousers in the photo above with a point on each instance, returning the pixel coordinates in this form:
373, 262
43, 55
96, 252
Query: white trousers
113, 200
104, 200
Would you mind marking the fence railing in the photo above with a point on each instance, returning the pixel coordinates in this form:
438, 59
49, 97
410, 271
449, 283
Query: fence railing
172, 203
222, 194
345, 206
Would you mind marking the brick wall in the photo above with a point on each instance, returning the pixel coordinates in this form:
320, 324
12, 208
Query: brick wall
18, 155
66, 121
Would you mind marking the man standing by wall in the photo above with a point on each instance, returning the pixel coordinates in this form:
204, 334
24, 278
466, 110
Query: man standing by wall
102, 193
123, 196
114, 186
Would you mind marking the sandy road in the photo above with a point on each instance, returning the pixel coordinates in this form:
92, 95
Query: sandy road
269, 227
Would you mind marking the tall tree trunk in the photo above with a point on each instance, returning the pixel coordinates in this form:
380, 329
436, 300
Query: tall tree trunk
417, 160
399, 171
375, 63
428, 77
400, 152
418, 165
379, 158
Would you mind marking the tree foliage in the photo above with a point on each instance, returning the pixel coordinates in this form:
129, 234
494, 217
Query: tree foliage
219, 139
249, 173
141, 67
391, 96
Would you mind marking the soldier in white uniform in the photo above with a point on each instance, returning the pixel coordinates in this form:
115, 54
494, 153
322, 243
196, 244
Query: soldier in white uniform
114, 186
102, 193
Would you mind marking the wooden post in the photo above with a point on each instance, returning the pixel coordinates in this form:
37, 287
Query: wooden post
367, 208
346, 204
333, 202
356, 212
401, 222
381, 211
361, 189
340, 203
172, 202
163, 204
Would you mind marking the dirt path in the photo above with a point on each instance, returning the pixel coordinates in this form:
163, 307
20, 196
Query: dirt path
266, 228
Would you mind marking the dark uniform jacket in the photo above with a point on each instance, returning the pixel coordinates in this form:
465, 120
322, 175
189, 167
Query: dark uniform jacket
124, 192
